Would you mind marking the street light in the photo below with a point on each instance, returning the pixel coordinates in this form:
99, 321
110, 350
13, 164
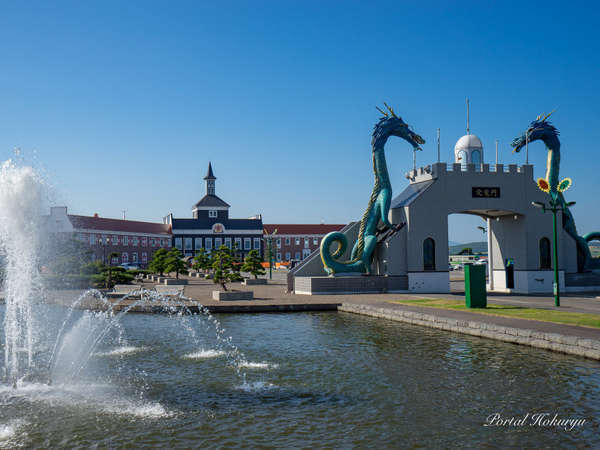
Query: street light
270, 250
554, 207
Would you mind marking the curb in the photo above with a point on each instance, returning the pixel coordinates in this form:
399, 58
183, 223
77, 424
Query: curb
572, 345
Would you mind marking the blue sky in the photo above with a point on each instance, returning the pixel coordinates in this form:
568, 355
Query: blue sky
124, 103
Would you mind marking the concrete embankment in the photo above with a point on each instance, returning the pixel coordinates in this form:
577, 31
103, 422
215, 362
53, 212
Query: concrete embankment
572, 340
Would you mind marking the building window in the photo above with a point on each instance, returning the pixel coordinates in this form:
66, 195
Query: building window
187, 242
297, 241
115, 240
247, 243
287, 256
125, 240
306, 242
153, 242
145, 242
428, 254
545, 258
124, 257
297, 255
278, 257
212, 213
197, 243
315, 241
278, 242
238, 243
114, 260
218, 243
228, 242
144, 257
135, 241
208, 244
134, 257
92, 239
287, 241
256, 243
178, 243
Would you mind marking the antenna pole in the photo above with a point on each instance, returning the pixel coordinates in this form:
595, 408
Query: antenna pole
438, 142
527, 147
415, 160
123, 211
496, 151
468, 130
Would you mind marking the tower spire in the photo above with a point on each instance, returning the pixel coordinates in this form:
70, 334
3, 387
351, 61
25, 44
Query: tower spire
210, 180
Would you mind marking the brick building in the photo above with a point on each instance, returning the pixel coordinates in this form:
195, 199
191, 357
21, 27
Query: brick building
297, 241
134, 241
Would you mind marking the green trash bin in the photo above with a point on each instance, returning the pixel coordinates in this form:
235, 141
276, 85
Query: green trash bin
475, 294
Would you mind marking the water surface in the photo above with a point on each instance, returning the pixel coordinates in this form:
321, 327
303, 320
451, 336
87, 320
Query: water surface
306, 379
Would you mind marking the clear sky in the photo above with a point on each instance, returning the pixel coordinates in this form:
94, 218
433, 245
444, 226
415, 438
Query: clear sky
124, 103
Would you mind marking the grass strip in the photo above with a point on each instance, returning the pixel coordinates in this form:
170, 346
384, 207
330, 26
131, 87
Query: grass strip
517, 312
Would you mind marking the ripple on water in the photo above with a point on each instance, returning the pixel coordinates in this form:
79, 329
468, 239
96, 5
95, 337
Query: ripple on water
257, 365
9, 431
123, 351
204, 354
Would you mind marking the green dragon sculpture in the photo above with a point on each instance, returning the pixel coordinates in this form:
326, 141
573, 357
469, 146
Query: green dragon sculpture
379, 203
542, 129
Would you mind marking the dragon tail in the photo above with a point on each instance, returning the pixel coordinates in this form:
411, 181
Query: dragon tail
330, 262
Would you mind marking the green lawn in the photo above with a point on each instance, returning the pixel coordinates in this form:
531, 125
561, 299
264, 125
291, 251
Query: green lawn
519, 312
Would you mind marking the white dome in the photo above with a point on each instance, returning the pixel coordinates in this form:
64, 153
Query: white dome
468, 142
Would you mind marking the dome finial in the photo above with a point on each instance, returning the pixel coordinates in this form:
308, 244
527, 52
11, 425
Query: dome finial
468, 130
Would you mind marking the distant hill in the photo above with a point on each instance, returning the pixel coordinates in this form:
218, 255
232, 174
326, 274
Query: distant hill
478, 247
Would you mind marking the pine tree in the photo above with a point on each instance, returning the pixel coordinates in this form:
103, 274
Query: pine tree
175, 263
202, 261
252, 264
158, 263
225, 269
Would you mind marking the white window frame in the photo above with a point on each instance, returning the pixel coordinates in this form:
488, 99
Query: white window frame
306, 242
144, 257
179, 243
218, 243
297, 240
315, 241
125, 241
278, 257
124, 257
287, 241
278, 242
256, 243
198, 243
212, 213
144, 241
92, 239
208, 244
134, 257
238, 243
247, 244
288, 255
135, 241
115, 240
228, 242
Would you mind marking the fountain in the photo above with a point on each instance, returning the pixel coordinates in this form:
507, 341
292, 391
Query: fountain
74, 377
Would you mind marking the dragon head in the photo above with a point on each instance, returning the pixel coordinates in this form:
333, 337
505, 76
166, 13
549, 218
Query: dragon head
540, 128
392, 125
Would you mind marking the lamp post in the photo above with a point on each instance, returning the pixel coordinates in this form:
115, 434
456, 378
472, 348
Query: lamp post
554, 207
269, 241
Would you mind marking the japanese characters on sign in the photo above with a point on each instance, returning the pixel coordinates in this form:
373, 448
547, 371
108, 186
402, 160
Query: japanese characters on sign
485, 192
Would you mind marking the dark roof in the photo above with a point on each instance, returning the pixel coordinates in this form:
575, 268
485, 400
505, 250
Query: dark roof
302, 228
229, 224
209, 174
210, 200
105, 224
